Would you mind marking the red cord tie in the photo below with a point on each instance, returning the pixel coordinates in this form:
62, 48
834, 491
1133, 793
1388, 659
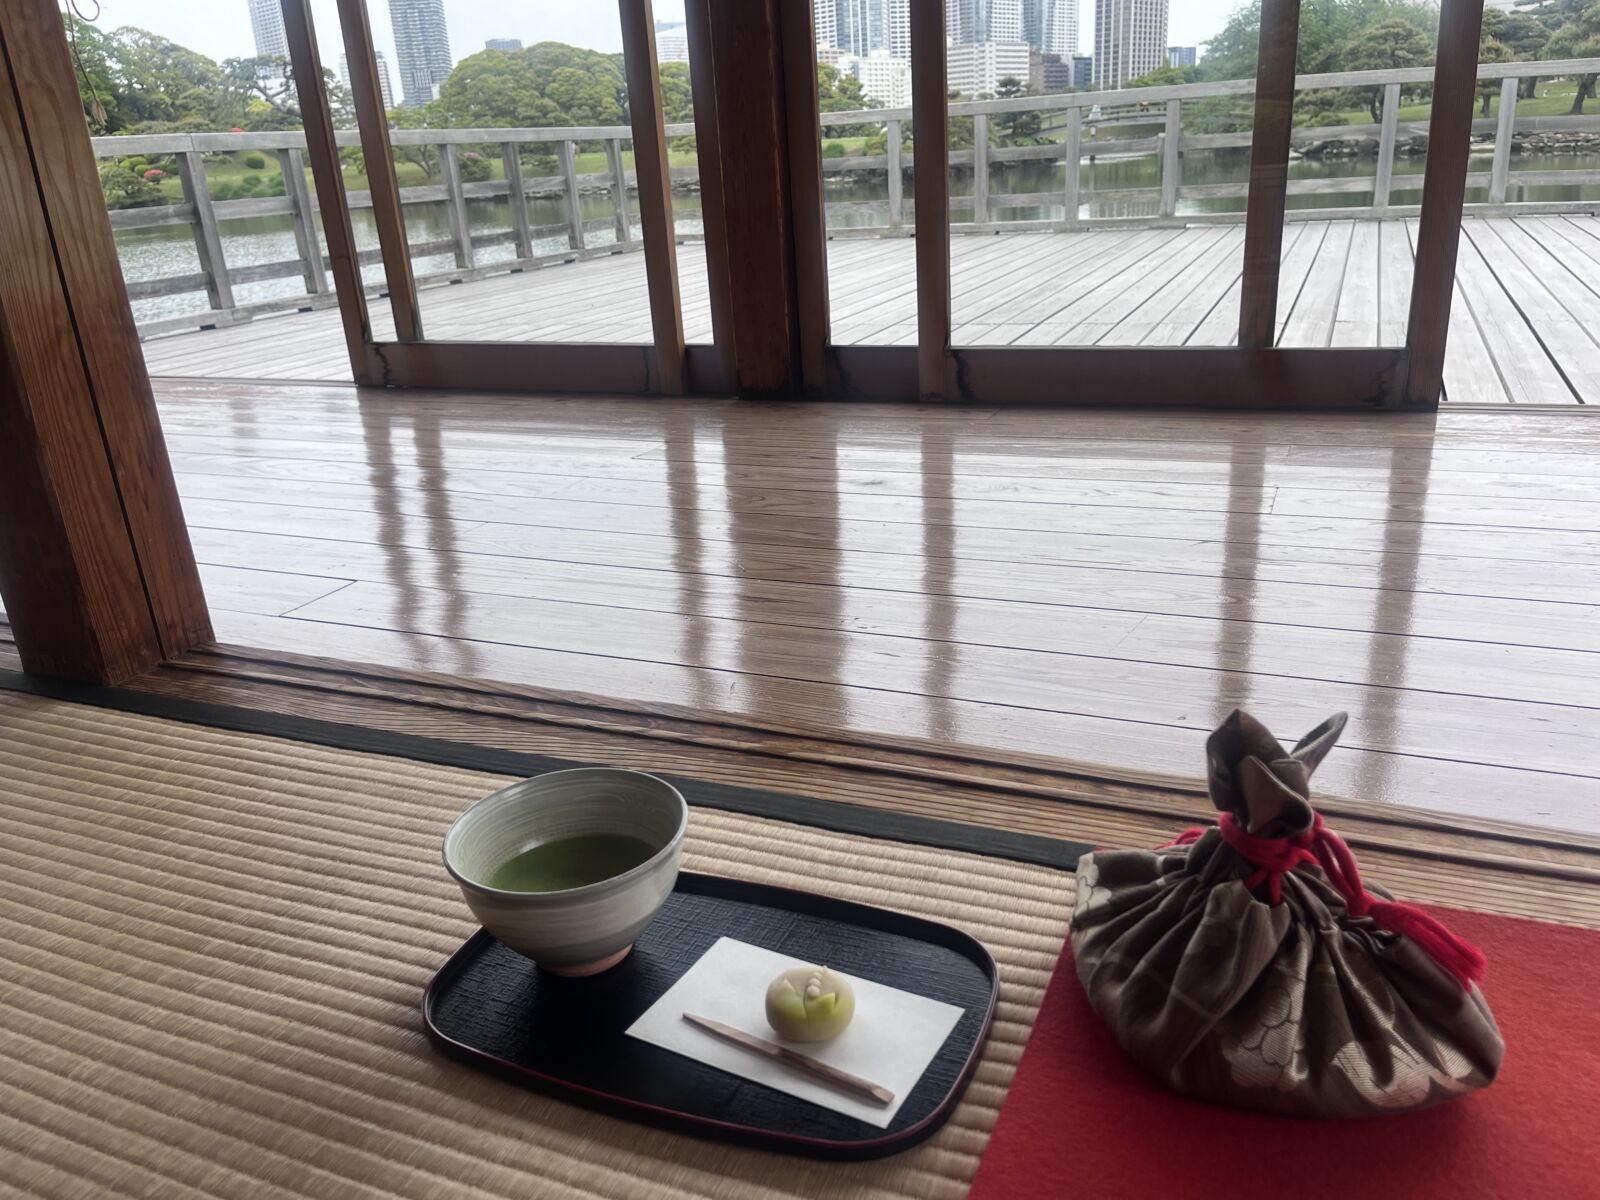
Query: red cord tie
1273, 858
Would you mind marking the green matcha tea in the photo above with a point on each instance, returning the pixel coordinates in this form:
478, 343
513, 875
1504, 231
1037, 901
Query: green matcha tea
570, 863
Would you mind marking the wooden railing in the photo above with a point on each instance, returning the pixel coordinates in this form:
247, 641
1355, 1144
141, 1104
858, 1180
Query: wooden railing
1136, 107
1163, 106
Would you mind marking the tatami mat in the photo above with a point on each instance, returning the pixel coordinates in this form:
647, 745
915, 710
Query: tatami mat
214, 945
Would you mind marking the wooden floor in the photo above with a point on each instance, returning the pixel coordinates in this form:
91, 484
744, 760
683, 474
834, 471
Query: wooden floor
1011, 585
1525, 325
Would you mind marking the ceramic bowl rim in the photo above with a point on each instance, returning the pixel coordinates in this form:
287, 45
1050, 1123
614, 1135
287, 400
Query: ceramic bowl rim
589, 889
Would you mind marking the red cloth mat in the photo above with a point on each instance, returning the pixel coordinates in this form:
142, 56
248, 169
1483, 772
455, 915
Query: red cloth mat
1083, 1120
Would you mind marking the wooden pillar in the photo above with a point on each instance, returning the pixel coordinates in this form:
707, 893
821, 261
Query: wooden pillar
1269, 172
1444, 187
1072, 151
1386, 138
619, 193
1504, 130
747, 56
455, 201
96, 570
569, 175
930, 143
1171, 160
713, 203
517, 197
897, 178
980, 169
809, 219
207, 237
654, 177
383, 184
292, 166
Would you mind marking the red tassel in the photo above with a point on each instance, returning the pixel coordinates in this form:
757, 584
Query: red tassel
1274, 858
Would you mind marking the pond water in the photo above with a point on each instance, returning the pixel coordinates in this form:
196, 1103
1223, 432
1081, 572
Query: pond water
156, 253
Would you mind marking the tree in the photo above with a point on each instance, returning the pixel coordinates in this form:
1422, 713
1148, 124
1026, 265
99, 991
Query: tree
1019, 128
1386, 46
1490, 51
1575, 34
422, 116
493, 89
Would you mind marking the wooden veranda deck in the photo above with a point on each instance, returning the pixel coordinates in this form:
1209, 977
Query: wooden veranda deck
1525, 325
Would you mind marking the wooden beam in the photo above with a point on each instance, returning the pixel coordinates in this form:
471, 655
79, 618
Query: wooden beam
1171, 160
517, 197
1444, 188
1269, 171
896, 172
746, 55
292, 167
621, 223
96, 570
207, 237
567, 156
1505, 129
930, 143
1386, 140
1072, 151
382, 182
804, 135
980, 169
713, 211
343, 259
651, 170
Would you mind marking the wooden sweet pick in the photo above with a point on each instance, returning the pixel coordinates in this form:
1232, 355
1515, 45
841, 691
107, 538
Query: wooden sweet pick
804, 1063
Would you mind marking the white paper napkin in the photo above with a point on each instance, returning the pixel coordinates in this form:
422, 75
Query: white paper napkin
891, 1040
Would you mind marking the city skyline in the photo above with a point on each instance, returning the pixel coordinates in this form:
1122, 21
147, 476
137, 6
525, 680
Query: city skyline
422, 48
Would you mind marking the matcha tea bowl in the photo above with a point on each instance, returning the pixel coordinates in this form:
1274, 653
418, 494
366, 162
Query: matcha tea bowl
569, 867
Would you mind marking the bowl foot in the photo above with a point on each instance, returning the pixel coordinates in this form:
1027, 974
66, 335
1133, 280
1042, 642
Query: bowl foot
591, 968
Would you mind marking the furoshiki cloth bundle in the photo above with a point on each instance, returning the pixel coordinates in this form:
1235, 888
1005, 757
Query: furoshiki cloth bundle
1248, 964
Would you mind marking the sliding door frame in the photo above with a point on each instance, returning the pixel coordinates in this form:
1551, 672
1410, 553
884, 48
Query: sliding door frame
664, 367
1254, 374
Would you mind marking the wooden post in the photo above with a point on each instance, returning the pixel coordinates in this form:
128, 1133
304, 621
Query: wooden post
619, 192
980, 169
292, 166
1269, 172
1073, 150
517, 197
651, 169
756, 247
1171, 163
456, 205
1386, 137
1504, 131
383, 184
96, 570
569, 173
1444, 187
930, 139
713, 209
207, 238
306, 64
897, 178
809, 220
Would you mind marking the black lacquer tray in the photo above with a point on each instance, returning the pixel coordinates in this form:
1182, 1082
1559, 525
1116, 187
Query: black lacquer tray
491, 1007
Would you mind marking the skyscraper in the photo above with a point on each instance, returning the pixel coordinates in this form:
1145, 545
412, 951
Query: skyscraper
1058, 27
385, 84
672, 41
266, 23
422, 42
509, 45
1130, 40
1182, 56
971, 21
825, 22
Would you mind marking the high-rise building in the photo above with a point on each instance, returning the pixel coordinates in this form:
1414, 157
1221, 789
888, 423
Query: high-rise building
1130, 40
1058, 27
266, 23
422, 42
825, 22
1182, 56
1082, 71
1048, 73
385, 84
509, 45
976, 68
971, 21
885, 78
899, 18
672, 41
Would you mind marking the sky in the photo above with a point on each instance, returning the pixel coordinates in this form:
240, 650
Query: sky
221, 28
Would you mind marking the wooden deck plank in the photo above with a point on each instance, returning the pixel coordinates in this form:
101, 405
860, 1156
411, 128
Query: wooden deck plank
1518, 326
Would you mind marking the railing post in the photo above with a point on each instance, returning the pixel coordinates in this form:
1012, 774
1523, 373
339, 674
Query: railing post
1500, 172
980, 169
207, 239
1073, 151
897, 214
456, 203
517, 194
619, 192
291, 164
569, 172
1386, 135
1171, 164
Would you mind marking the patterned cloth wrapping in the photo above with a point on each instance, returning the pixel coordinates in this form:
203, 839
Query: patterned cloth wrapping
1240, 980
